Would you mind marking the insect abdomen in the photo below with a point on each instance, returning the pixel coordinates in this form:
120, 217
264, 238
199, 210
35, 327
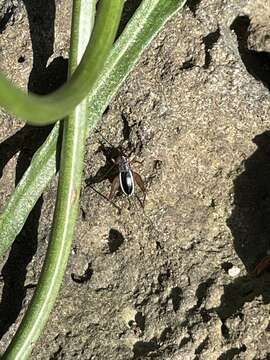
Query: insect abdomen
127, 182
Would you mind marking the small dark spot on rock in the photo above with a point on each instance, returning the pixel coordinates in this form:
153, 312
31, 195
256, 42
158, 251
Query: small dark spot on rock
21, 59
30, 286
176, 296
116, 239
80, 279
225, 331
158, 245
226, 266
140, 320
187, 65
164, 276
178, 130
157, 164
243, 348
83, 213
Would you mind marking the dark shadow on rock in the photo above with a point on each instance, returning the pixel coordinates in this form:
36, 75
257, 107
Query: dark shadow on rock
110, 169
242, 290
107, 171
7, 16
232, 353
249, 221
257, 63
144, 348
250, 228
42, 80
193, 6
209, 42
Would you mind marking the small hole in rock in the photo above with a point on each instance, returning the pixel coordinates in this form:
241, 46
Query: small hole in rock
21, 59
226, 266
243, 348
116, 239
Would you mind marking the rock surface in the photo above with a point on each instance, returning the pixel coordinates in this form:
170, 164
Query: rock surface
154, 283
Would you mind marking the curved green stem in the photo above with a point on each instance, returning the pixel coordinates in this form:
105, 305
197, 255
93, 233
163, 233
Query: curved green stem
66, 209
47, 109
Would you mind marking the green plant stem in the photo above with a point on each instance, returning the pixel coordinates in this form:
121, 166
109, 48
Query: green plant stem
65, 215
121, 60
47, 109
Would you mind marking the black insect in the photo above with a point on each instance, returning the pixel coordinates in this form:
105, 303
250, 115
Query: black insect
122, 175
126, 178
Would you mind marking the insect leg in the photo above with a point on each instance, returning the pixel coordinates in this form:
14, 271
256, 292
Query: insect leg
134, 160
140, 182
114, 187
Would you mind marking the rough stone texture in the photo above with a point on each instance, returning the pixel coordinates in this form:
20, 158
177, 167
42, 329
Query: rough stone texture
155, 283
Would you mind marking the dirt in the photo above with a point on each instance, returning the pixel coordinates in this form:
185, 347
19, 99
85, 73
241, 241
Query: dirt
171, 281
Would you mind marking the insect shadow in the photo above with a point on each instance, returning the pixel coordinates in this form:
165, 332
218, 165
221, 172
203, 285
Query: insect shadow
109, 170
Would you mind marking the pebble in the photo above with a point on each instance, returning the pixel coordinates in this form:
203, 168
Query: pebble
234, 271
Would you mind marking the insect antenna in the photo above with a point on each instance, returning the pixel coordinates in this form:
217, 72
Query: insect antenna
118, 147
103, 137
